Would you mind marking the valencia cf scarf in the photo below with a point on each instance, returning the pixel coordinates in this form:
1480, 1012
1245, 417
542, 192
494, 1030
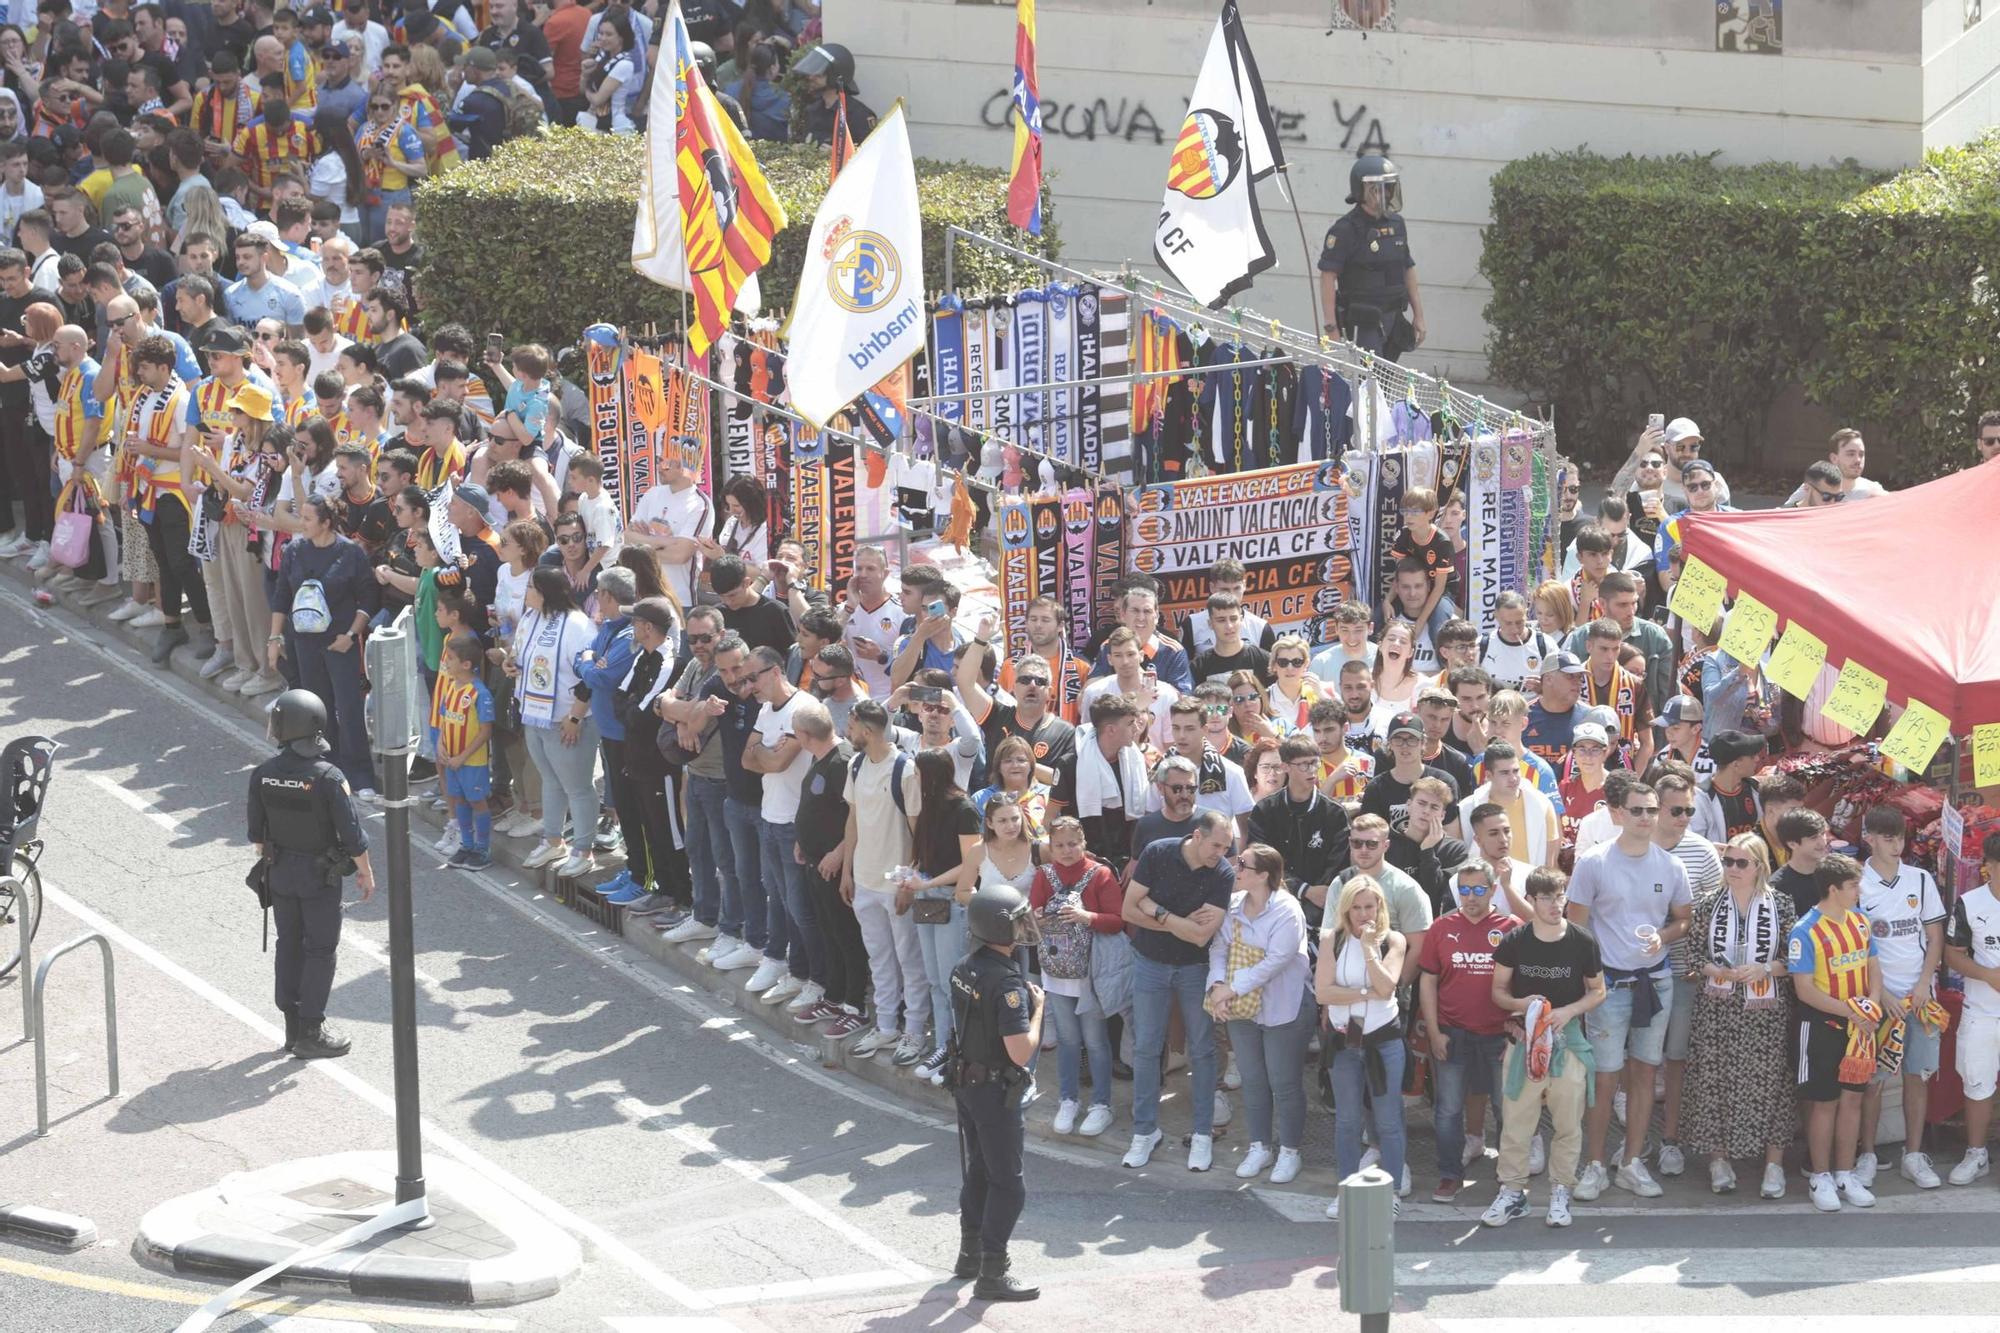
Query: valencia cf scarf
1079, 530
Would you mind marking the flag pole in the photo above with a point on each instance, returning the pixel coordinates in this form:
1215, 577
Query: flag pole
1305, 247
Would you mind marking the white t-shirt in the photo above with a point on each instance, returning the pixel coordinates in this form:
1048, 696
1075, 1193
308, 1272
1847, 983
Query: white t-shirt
1234, 799
1513, 665
318, 362
886, 843
753, 546
13, 205
685, 513
781, 789
329, 182
600, 522
1897, 912
878, 625
1163, 700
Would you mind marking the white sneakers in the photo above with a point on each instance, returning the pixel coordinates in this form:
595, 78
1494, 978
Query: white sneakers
738, 958
1590, 1182
150, 618
546, 854
787, 987
1201, 1152
1507, 1205
1853, 1189
1538, 1155
1231, 1079
1917, 1169
911, 1049
1825, 1196
872, 1041
1633, 1176
1970, 1168
1774, 1182
1141, 1151
579, 864
689, 931
1255, 1158
767, 974
1096, 1121
1065, 1121
721, 946
218, 662
1865, 1167
448, 841
810, 994
1672, 1161
1287, 1169
16, 545
1475, 1150
1222, 1111
1721, 1177
1558, 1210
1333, 1210
127, 609
38, 557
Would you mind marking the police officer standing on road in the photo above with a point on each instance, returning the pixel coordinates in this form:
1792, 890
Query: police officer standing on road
998, 1021
303, 821
1367, 278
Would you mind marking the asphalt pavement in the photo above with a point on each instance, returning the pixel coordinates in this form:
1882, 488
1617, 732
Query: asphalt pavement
715, 1176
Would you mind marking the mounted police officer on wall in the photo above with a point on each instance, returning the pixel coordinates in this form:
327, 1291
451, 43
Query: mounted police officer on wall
997, 1030
1367, 277
308, 838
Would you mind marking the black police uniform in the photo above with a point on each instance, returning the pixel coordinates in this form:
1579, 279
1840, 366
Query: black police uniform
820, 118
1370, 256
302, 813
990, 1002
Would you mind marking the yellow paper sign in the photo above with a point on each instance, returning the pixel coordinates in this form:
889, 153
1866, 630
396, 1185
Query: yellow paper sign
1698, 593
1749, 629
1915, 738
1796, 661
1986, 755
1857, 698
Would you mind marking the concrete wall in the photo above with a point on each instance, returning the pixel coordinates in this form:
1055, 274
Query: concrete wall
1455, 90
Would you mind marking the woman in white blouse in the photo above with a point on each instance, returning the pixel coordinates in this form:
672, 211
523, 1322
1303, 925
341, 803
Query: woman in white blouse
562, 738
1270, 1042
1360, 959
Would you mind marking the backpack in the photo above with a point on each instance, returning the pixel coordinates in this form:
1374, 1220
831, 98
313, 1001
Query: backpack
524, 112
309, 610
902, 762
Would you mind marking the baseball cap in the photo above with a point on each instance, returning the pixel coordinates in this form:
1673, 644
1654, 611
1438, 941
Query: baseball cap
1682, 428
336, 51
475, 495
264, 230
1405, 721
655, 611
318, 15
1681, 708
1589, 731
227, 339
1697, 465
482, 59
1603, 715
1566, 662
253, 401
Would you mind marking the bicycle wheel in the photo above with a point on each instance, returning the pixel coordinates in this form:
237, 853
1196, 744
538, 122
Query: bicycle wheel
21, 895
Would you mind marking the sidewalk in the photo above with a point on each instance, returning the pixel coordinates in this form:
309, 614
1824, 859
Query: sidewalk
1303, 1200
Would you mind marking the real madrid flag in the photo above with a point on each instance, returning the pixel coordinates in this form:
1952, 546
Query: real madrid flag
859, 312
1211, 234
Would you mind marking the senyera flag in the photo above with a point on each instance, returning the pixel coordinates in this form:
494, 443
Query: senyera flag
707, 215
1024, 184
1211, 233
859, 312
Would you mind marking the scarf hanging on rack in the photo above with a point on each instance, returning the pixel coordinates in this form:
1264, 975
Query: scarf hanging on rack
1079, 553
978, 359
1001, 373
1031, 364
1061, 435
1391, 479
606, 392
1046, 511
1112, 410
1108, 560
1087, 365
1017, 571
739, 437
948, 355
842, 514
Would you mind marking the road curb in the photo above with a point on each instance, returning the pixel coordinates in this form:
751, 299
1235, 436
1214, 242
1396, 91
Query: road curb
43, 1226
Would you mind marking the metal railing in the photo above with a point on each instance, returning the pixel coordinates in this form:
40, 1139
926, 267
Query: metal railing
32, 998
25, 911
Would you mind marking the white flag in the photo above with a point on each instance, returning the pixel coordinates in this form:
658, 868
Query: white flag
658, 252
1211, 234
859, 313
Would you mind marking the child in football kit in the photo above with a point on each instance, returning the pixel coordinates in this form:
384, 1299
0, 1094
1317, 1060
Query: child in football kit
463, 727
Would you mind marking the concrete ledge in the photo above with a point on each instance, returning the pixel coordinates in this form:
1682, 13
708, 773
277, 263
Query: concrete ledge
43, 1226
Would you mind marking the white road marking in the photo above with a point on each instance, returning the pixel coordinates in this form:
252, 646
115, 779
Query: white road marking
1707, 1323
1647, 1266
652, 1323
139, 804
1295, 1206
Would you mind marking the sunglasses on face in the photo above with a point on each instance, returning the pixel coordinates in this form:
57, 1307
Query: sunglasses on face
1365, 842
1641, 811
1677, 810
380, 106
1695, 486
574, 539
1736, 862
1829, 497
1030, 683
1243, 698
1652, 462
1989, 439
701, 640
1178, 788
1475, 890
1214, 710
1289, 661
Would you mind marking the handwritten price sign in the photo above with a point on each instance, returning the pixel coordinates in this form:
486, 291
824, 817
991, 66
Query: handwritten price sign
1796, 661
1986, 755
1857, 698
1915, 738
1749, 629
1697, 596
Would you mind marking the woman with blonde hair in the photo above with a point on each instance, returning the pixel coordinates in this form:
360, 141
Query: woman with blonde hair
1249, 710
1555, 608
418, 104
202, 217
1260, 1001
1740, 1096
1296, 689
1360, 960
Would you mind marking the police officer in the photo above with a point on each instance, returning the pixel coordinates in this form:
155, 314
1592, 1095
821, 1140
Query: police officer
704, 60
998, 1022
1367, 278
829, 71
303, 821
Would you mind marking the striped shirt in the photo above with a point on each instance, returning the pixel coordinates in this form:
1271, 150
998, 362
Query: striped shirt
76, 407
263, 147
459, 707
1835, 951
156, 419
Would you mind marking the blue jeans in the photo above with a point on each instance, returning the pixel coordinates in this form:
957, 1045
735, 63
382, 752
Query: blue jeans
712, 856
336, 679
1471, 1066
785, 883
1076, 1034
943, 946
1272, 1063
1351, 1101
745, 826
1156, 987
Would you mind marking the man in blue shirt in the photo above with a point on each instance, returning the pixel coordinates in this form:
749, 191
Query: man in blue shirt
257, 294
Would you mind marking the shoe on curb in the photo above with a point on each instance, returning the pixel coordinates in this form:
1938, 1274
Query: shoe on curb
1222, 1112
232, 680
1447, 1190
578, 865
1256, 1158
476, 861
1916, 1168
1095, 1121
787, 987
719, 947
1634, 1176
219, 661
1141, 1151
1721, 1177
653, 904
1507, 1205
628, 897
264, 682
1333, 1209
1475, 1150
1201, 1152
1971, 1167
931, 1069
1774, 1182
617, 884
810, 994
38, 557
689, 931
126, 609
1538, 1155
1287, 1168
843, 1025
151, 617
766, 976
1865, 1167
1825, 1195
821, 1012
909, 1051
1672, 1161
1231, 1078
458, 858
872, 1041
171, 637
17, 544
1370, 1156
1590, 1183
742, 956
1557, 1214
1066, 1112
1853, 1190
546, 854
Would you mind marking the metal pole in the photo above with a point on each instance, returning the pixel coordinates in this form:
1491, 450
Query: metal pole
1185, 372
25, 913
40, 1033
403, 979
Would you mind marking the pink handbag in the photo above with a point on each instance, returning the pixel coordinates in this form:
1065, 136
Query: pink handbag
69, 545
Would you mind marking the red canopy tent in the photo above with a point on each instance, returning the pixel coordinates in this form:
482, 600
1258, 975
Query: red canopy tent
1907, 584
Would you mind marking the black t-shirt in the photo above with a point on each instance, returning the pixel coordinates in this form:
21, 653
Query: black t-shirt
399, 356
528, 42
198, 339
1553, 969
1212, 665
735, 727
371, 523
943, 854
80, 246
14, 395
1454, 764
1154, 826
402, 263
822, 818
1390, 798
155, 266
763, 624
1425, 866
1052, 739
1180, 888
1801, 888
1740, 810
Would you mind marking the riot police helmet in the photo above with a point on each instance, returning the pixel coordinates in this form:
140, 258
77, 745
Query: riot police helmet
1375, 169
298, 719
704, 58
999, 914
832, 61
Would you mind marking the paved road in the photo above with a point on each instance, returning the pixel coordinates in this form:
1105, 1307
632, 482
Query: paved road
715, 1180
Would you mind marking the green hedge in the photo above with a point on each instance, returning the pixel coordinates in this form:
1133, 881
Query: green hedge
535, 241
1628, 285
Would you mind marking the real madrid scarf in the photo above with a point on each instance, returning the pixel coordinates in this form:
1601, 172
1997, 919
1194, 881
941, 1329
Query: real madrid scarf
948, 356
1061, 436
978, 357
1088, 399
1001, 375
1031, 332
1391, 479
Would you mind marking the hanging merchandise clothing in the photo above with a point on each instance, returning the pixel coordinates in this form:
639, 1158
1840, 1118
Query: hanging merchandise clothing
1228, 407
1163, 410
1322, 427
